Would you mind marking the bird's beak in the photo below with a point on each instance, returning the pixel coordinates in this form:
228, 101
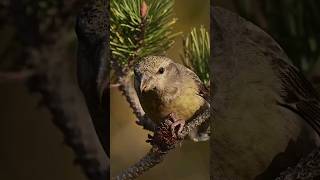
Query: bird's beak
145, 84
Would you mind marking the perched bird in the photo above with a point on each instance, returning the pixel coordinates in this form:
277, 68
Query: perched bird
266, 114
166, 88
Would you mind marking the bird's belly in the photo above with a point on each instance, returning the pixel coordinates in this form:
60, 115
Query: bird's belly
182, 107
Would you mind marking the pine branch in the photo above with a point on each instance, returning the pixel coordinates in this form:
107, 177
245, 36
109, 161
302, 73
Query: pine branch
157, 153
196, 53
138, 28
127, 89
62, 98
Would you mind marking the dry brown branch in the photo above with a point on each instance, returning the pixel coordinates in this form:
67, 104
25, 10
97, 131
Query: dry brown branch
124, 74
160, 149
62, 97
127, 89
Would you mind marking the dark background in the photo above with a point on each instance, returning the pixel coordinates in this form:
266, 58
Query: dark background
31, 146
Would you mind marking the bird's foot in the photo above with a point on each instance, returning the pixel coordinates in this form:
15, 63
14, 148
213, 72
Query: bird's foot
167, 134
176, 126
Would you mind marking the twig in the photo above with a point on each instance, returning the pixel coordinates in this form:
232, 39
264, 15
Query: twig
62, 97
129, 92
127, 89
158, 151
154, 157
123, 74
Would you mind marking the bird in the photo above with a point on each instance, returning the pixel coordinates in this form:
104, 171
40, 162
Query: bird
266, 113
169, 89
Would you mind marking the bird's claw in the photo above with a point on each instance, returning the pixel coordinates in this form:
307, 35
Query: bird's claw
176, 123
172, 117
180, 124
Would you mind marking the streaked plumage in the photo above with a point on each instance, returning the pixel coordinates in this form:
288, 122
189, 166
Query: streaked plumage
165, 87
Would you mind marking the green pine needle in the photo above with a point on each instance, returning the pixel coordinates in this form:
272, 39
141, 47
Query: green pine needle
196, 53
133, 36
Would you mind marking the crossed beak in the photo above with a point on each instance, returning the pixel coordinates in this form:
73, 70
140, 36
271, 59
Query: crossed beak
145, 84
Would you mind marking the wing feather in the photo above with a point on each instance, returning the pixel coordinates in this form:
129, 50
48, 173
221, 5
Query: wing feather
203, 91
298, 93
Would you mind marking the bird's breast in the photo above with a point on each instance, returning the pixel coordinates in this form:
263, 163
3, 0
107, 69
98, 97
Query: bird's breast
183, 105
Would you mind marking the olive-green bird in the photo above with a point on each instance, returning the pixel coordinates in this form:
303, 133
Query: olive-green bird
166, 88
266, 114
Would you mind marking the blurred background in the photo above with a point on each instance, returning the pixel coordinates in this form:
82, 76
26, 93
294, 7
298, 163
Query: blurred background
294, 24
42, 111
31, 146
191, 160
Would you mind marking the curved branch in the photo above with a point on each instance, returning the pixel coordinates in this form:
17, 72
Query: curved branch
62, 97
127, 89
158, 151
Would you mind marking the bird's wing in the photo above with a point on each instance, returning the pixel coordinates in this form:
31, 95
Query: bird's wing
298, 93
202, 89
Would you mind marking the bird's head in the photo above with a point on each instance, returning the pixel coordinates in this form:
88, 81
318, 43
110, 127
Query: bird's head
155, 74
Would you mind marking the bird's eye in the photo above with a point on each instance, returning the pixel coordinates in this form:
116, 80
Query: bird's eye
161, 70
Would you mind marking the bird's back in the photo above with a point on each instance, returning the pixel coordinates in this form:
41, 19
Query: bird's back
258, 128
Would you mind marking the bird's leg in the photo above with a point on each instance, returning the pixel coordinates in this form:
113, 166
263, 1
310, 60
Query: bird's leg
176, 123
